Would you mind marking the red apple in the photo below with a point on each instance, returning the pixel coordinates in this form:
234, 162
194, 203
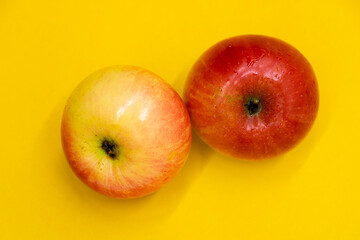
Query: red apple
125, 132
252, 97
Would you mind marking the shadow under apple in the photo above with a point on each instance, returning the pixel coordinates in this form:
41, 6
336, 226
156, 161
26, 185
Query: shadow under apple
150, 209
274, 171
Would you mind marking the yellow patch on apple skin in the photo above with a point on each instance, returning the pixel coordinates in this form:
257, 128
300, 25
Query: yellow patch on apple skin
172, 155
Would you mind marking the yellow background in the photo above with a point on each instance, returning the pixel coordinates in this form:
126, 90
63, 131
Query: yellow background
47, 47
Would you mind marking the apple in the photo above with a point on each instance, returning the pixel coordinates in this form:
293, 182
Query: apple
252, 97
125, 132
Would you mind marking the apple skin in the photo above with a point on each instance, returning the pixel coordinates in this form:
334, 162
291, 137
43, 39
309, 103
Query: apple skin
137, 112
229, 74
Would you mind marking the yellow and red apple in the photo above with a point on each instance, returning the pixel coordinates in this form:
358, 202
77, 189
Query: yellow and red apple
125, 132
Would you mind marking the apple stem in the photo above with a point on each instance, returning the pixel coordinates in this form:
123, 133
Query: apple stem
253, 106
111, 148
